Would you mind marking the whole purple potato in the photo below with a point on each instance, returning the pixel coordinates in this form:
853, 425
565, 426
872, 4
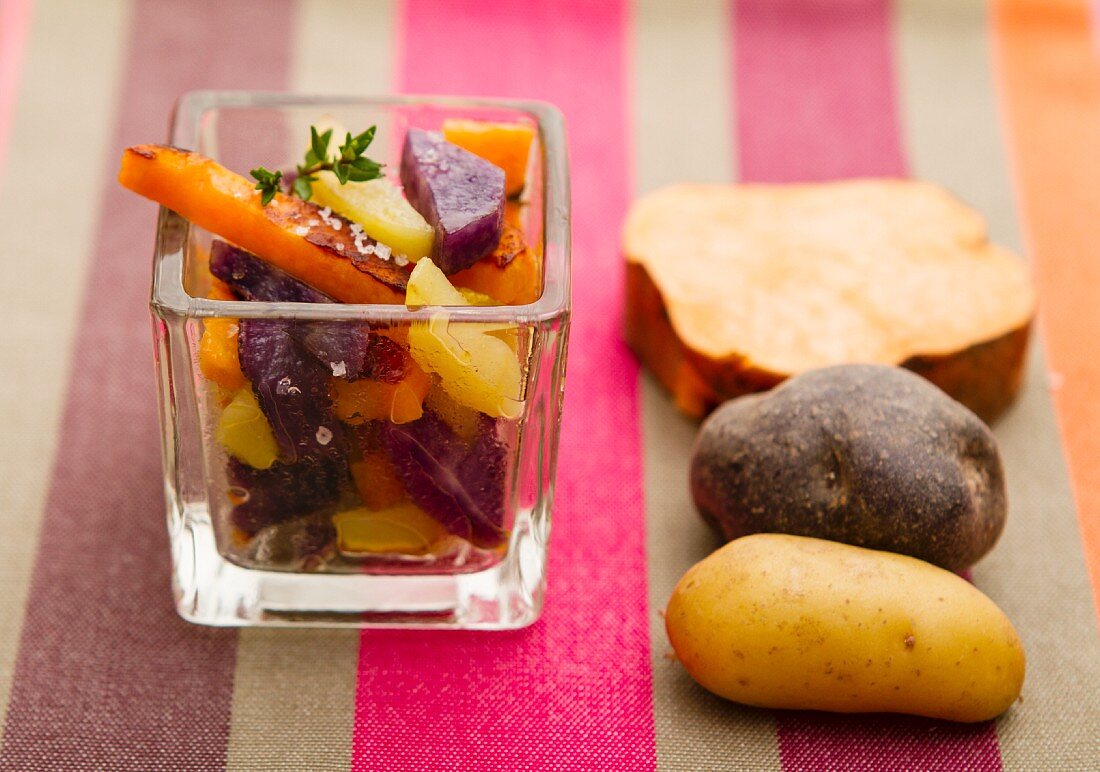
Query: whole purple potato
869, 455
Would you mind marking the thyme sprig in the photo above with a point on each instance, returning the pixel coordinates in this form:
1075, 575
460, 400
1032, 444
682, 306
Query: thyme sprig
349, 164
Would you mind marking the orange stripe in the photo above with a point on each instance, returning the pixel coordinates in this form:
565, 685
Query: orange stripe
1049, 72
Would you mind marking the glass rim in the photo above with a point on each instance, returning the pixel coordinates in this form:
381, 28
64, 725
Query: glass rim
170, 298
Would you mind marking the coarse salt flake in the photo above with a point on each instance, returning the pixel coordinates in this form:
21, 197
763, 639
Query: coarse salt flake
401, 260
301, 230
283, 386
324, 435
339, 369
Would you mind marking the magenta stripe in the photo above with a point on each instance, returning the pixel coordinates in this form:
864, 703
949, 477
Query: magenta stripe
15, 22
574, 691
108, 677
816, 80
815, 101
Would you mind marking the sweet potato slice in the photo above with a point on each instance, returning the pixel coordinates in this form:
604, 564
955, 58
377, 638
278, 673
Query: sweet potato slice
507, 145
294, 235
731, 289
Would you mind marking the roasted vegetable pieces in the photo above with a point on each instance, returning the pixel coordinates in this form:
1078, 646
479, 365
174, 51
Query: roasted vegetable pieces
460, 194
460, 483
368, 441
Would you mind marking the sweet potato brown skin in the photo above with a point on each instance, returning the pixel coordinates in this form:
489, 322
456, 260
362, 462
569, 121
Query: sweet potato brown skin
869, 455
985, 377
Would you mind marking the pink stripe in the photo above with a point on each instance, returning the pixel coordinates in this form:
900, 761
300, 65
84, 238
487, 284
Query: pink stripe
815, 95
108, 677
817, 83
574, 691
15, 23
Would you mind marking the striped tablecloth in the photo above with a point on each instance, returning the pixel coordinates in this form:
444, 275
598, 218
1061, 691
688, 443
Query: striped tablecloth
999, 101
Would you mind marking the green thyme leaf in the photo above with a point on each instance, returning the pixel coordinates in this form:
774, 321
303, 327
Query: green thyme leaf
267, 182
318, 143
349, 165
303, 187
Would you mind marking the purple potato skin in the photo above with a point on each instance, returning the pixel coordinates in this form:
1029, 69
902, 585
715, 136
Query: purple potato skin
460, 194
459, 484
336, 343
292, 389
253, 279
330, 343
869, 455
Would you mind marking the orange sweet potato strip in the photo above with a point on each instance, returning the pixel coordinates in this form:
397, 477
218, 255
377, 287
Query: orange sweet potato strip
218, 358
357, 402
377, 481
505, 144
289, 233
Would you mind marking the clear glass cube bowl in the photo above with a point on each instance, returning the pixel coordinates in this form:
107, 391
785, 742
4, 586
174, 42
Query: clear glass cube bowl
216, 580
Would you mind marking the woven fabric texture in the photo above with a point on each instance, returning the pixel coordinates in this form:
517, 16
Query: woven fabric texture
999, 101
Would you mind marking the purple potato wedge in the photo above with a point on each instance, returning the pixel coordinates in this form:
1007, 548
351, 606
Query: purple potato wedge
461, 195
292, 389
346, 348
459, 484
254, 279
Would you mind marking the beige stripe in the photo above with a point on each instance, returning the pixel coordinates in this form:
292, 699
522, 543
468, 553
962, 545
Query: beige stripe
42, 278
683, 131
293, 700
294, 691
683, 105
1037, 572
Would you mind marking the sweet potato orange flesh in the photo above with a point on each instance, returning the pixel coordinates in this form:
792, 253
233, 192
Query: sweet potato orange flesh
985, 377
730, 289
507, 145
357, 402
288, 233
218, 359
376, 481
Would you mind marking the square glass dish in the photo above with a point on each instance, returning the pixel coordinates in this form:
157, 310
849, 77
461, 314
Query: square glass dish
414, 492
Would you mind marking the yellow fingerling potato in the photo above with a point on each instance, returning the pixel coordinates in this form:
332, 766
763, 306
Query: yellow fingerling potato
791, 622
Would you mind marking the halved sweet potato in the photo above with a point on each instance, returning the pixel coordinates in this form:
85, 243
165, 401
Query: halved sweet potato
297, 236
732, 288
